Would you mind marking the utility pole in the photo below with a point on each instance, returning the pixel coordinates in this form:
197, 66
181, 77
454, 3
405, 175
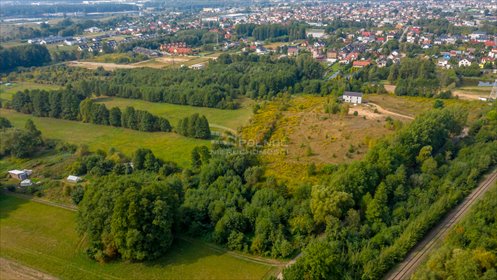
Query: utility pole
493, 93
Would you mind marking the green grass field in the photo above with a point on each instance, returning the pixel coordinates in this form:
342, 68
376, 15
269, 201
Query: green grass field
44, 238
167, 146
7, 91
228, 118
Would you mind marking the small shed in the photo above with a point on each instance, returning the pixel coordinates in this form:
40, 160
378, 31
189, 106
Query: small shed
20, 174
26, 183
352, 97
73, 179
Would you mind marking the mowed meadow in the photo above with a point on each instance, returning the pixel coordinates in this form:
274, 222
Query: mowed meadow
44, 237
167, 146
217, 118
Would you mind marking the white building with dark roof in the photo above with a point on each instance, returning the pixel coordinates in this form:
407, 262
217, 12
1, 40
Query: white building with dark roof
352, 97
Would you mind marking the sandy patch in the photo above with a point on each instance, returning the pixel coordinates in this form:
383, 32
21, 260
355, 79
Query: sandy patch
10, 270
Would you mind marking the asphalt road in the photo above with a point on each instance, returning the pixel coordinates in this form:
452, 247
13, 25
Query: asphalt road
416, 257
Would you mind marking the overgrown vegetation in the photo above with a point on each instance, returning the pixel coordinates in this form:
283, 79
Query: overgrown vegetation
468, 252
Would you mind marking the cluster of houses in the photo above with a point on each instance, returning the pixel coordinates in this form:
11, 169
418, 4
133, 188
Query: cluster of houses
466, 58
24, 177
176, 48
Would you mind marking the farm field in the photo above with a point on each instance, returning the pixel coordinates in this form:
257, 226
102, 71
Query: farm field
44, 238
167, 146
232, 119
7, 91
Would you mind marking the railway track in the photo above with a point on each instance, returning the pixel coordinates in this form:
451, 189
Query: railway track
420, 252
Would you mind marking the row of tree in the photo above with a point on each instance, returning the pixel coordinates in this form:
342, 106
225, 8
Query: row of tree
92, 112
69, 105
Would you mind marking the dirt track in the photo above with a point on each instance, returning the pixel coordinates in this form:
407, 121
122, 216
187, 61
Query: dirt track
10, 270
468, 96
422, 250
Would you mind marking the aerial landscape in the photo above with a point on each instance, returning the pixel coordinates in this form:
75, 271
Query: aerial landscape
261, 139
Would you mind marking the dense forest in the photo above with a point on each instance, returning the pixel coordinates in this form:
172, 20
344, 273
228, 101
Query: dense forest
415, 77
25, 56
216, 86
469, 251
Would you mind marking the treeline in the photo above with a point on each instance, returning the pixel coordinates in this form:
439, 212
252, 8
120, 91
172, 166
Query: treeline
275, 32
192, 38
23, 56
69, 105
414, 77
39, 10
65, 27
195, 126
92, 112
216, 86
372, 212
469, 251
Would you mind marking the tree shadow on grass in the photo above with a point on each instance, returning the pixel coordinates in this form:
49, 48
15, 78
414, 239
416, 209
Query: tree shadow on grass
102, 99
183, 252
9, 204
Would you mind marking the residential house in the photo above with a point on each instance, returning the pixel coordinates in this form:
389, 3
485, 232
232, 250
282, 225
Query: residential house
293, 51
352, 97
361, 63
464, 63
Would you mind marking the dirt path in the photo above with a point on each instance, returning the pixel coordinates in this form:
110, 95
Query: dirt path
44, 201
417, 255
95, 65
385, 111
469, 96
10, 270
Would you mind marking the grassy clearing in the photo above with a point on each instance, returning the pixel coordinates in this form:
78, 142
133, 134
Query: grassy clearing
167, 146
7, 91
44, 237
413, 106
303, 134
228, 118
